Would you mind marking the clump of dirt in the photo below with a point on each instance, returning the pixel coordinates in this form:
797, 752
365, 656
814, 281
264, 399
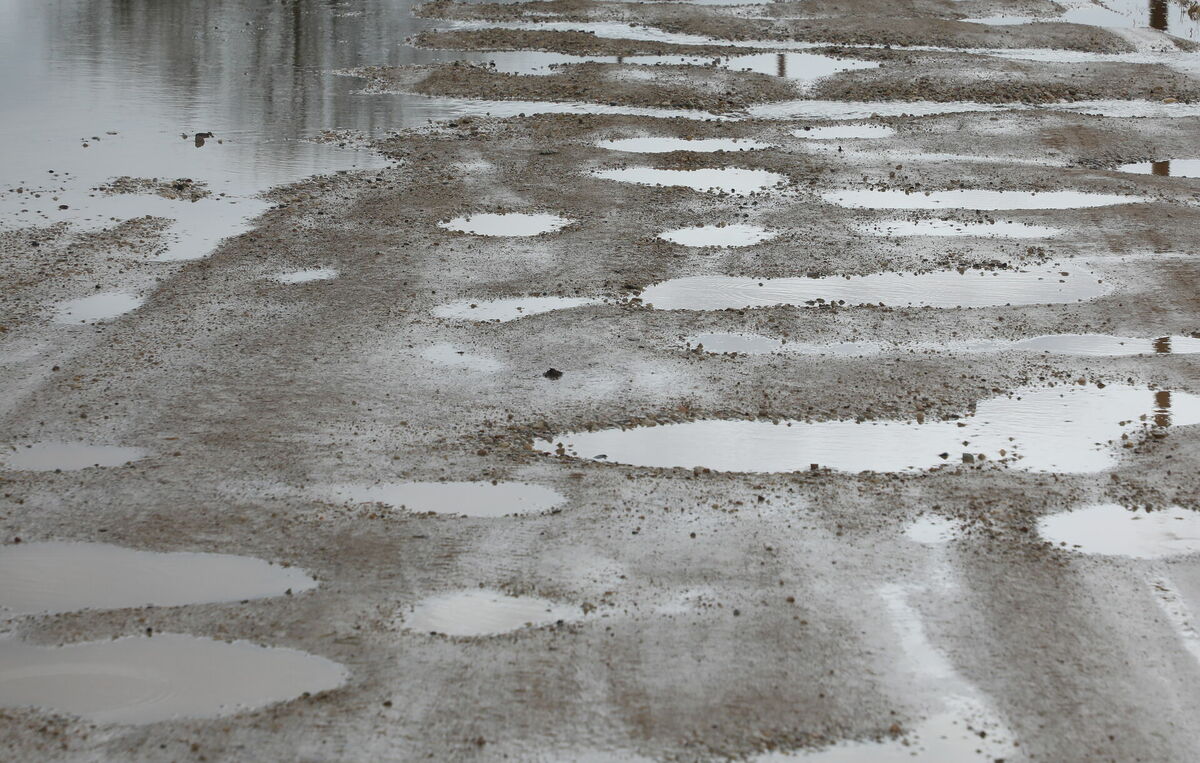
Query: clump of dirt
184, 189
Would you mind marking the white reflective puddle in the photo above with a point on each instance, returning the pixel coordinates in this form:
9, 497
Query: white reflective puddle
1112, 530
305, 276
148, 679
51, 577
485, 613
96, 308
719, 235
1064, 344
846, 132
658, 145
1073, 429
942, 288
1180, 168
734, 180
508, 309
933, 530
720, 343
472, 499
976, 199
844, 110
508, 224
68, 456
447, 354
940, 228
804, 67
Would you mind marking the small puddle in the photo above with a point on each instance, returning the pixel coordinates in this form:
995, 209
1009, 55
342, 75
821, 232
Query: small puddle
96, 308
804, 67
1112, 530
719, 235
305, 276
52, 577
485, 613
472, 499
1076, 430
655, 145
977, 199
447, 354
734, 180
933, 530
846, 132
1180, 168
68, 456
940, 228
720, 343
508, 224
502, 310
140, 680
940, 288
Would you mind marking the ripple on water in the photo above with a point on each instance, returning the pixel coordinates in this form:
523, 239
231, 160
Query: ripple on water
68, 456
1180, 168
507, 224
1112, 530
485, 613
846, 132
719, 235
657, 145
976, 199
142, 680
997, 229
472, 499
55, 577
734, 180
96, 308
1074, 429
304, 276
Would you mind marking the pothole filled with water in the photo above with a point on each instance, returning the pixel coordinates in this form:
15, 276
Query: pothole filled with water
719, 235
52, 577
998, 229
846, 132
68, 456
733, 180
1180, 168
305, 276
1076, 429
485, 613
976, 199
508, 309
654, 145
507, 224
1112, 530
142, 680
472, 499
96, 308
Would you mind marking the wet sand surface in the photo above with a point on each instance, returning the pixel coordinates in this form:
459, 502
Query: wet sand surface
376, 386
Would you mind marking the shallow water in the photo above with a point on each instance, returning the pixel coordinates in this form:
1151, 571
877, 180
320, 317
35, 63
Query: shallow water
942, 288
1072, 429
661, 145
1180, 168
734, 180
508, 309
507, 224
485, 613
96, 308
735, 235
1112, 530
940, 228
976, 199
305, 276
140, 680
452, 355
472, 499
68, 456
55, 577
1063, 344
846, 132
933, 530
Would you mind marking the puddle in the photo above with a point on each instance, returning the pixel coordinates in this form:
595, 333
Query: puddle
508, 309
140, 680
933, 530
96, 308
940, 228
507, 224
1180, 168
719, 235
1075, 430
652, 145
485, 613
52, 577
447, 354
1063, 344
842, 110
1112, 530
734, 180
1098, 344
472, 499
939, 288
68, 456
740, 344
794, 66
846, 132
976, 199
305, 276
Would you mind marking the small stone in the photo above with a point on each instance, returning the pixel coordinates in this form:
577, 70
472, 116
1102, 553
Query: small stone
553, 374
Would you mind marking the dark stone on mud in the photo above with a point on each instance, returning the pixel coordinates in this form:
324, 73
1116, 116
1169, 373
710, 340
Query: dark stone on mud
553, 373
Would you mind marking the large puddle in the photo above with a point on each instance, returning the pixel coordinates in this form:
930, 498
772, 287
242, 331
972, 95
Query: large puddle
96, 308
68, 456
1074, 429
485, 613
1100, 345
43, 578
1113, 530
735, 235
509, 309
507, 224
940, 228
734, 180
472, 499
142, 680
663, 145
1180, 168
976, 199
1054, 284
